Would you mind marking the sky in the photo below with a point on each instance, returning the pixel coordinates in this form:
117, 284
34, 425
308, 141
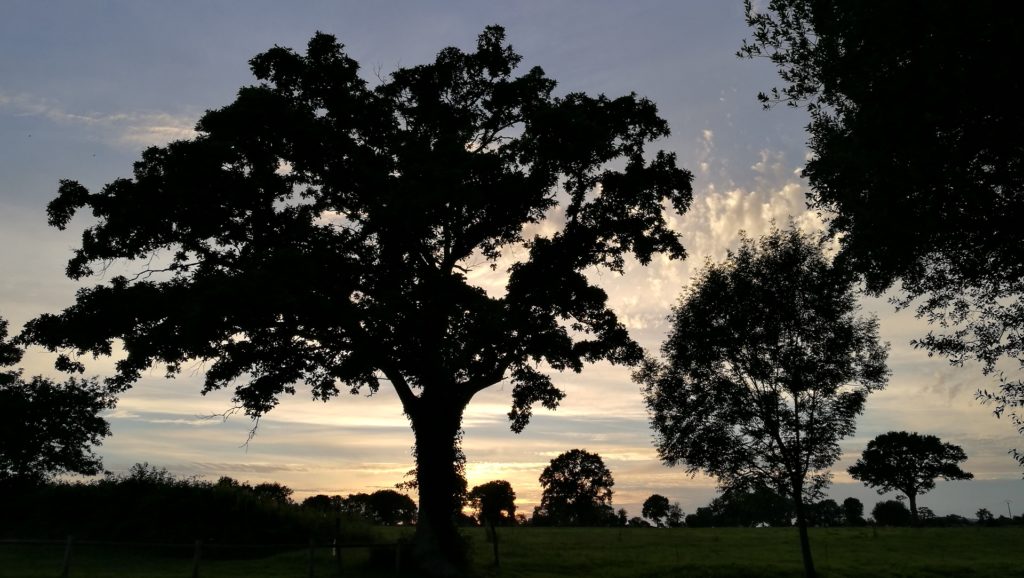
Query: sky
86, 86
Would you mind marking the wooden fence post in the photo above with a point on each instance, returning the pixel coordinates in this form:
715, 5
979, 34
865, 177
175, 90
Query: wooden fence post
337, 541
196, 557
497, 561
311, 558
66, 570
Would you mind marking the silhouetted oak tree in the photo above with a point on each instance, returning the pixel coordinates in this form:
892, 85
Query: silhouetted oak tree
577, 491
765, 369
910, 463
48, 428
323, 231
918, 154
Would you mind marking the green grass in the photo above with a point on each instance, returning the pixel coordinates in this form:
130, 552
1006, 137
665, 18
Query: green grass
601, 552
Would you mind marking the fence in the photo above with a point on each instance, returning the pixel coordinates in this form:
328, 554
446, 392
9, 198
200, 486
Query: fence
201, 552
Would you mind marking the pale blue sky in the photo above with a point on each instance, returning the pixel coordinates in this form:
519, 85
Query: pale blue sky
85, 86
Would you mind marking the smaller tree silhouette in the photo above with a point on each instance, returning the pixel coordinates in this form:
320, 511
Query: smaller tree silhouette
910, 463
826, 513
891, 513
386, 507
577, 490
853, 512
655, 509
495, 503
984, 516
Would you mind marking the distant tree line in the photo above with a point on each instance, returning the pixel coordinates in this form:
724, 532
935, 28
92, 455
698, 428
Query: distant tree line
149, 504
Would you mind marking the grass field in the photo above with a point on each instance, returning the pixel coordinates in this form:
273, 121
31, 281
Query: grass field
603, 552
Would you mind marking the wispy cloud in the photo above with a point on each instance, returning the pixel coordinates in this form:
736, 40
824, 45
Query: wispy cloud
126, 128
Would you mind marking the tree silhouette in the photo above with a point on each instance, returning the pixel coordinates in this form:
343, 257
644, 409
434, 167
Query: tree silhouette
658, 509
853, 512
910, 463
323, 231
921, 169
577, 490
891, 513
765, 369
984, 516
826, 513
495, 503
655, 509
49, 428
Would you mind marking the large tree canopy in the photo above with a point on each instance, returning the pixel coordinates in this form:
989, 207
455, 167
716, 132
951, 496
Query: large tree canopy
918, 140
908, 462
765, 369
47, 428
323, 231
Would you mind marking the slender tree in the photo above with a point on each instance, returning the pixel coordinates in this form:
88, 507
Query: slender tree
323, 231
910, 463
918, 156
765, 369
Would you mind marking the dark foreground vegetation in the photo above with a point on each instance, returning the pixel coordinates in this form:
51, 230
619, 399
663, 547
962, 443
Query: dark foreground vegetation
149, 505
601, 552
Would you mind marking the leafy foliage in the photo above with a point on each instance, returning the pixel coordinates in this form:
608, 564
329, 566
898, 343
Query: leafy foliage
49, 428
826, 513
853, 512
577, 491
910, 463
891, 513
148, 504
918, 158
766, 368
323, 231
495, 503
745, 507
659, 510
655, 508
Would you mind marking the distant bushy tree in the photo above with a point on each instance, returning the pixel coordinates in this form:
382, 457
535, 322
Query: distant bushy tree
910, 463
984, 516
323, 503
577, 491
638, 522
273, 492
386, 507
655, 509
853, 512
826, 513
891, 513
495, 503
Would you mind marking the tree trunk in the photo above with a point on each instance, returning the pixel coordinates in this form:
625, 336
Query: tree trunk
801, 522
912, 497
438, 547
